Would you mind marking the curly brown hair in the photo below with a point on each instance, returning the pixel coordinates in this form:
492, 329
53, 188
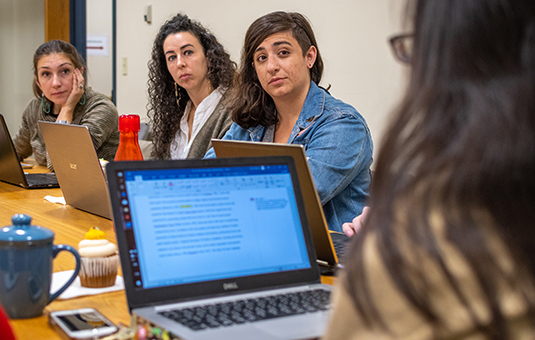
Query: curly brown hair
165, 108
252, 105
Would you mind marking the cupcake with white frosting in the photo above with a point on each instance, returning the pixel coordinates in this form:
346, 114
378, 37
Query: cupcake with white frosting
100, 260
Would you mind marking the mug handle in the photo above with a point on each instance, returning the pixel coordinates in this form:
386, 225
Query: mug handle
55, 250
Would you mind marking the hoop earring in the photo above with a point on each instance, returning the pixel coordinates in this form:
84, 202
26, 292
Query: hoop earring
45, 104
82, 100
178, 95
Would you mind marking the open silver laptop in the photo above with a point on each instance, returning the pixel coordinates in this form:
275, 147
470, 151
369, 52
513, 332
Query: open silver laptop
11, 170
218, 248
77, 167
330, 245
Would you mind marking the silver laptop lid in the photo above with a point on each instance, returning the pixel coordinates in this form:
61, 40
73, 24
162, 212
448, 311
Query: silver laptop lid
77, 167
9, 170
314, 210
10, 167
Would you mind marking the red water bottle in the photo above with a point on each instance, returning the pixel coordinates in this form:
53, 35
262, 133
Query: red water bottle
128, 149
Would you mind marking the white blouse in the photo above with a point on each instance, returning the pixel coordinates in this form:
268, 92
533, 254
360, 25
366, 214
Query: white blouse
181, 145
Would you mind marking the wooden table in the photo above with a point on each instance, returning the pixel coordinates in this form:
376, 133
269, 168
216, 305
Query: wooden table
70, 226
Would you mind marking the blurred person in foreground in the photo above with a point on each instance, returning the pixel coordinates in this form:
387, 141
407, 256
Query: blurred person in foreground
447, 249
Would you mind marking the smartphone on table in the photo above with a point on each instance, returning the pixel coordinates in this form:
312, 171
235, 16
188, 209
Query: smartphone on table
85, 323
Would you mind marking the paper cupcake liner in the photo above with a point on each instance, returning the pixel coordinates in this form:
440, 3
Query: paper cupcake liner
99, 272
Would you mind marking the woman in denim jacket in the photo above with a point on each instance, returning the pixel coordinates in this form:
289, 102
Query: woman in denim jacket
277, 99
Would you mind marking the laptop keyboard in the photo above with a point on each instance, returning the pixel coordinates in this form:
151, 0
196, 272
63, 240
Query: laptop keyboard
340, 249
340, 243
250, 310
42, 179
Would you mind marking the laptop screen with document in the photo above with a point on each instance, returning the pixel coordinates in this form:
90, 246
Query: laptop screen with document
203, 222
210, 227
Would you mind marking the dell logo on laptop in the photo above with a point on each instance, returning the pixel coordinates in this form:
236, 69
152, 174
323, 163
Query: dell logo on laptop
73, 166
230, 286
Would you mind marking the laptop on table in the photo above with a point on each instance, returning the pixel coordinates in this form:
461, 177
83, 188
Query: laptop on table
218, 248
77, 167
330, 245
11, 170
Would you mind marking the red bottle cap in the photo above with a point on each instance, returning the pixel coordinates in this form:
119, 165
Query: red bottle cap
129, 123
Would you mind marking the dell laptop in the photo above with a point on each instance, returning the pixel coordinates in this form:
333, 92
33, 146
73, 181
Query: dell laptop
218, 248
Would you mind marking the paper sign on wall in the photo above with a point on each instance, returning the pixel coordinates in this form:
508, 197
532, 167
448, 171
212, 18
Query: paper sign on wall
97, 45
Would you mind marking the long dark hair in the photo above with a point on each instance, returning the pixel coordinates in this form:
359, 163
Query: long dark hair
458, 161
252, 105
165, 108
57, 47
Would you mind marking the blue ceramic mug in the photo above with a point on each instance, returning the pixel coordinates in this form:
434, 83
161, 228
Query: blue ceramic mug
26, 254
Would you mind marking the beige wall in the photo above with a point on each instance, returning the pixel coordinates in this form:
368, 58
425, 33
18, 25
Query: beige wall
22, 24
352, 37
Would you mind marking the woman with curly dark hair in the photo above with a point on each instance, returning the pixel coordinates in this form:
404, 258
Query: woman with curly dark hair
189, 75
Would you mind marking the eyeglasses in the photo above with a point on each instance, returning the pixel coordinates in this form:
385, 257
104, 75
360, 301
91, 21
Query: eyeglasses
402, 47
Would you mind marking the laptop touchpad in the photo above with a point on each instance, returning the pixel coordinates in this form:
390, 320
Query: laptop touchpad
297, 327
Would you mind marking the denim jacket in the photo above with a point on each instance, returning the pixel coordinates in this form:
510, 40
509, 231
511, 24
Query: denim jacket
339, 148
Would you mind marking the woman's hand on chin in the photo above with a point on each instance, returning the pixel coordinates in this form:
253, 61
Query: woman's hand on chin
77, 91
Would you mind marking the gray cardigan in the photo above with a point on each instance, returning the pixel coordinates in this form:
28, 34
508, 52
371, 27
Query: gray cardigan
215, 127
